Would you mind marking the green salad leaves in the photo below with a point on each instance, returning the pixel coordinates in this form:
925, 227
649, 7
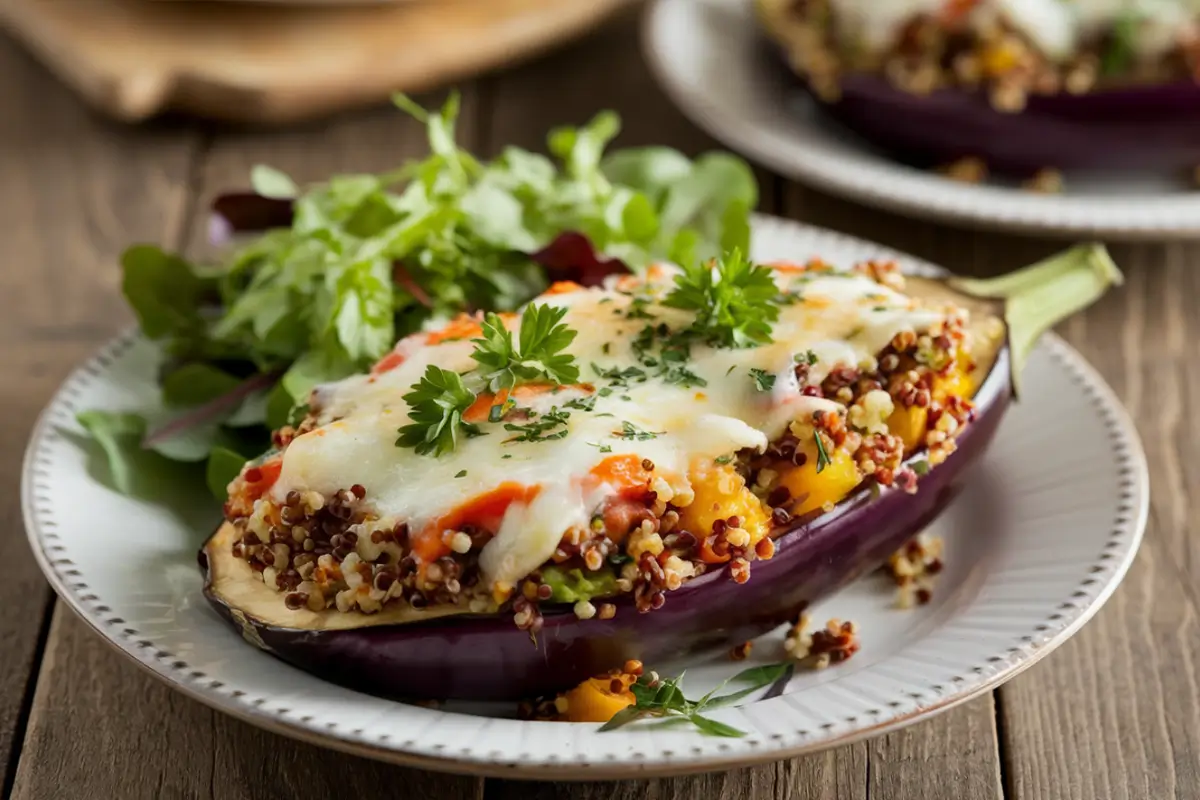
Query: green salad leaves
367, 259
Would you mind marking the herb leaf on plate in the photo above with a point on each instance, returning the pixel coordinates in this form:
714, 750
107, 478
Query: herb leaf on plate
664, 699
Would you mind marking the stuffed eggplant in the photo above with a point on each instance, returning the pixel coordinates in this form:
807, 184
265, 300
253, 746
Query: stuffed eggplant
1022, 85
666, 464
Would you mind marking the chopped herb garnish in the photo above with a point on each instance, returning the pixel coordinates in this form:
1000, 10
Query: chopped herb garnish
581, 403
631, 431
462, 473
603, 448
538, 355
637, 309
921, 467
807, 357
823, 459
725, 459
436, 405
507, 455
606, 348
763, 380
664, 698
549, 426
733, 299
620, 377
496, 412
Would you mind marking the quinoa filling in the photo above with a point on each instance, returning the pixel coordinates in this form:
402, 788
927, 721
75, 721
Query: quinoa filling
973, 45
336, 552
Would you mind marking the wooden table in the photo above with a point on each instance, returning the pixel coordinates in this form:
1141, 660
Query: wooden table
1115, 713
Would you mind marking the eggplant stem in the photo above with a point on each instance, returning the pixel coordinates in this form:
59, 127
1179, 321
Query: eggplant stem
1038, 297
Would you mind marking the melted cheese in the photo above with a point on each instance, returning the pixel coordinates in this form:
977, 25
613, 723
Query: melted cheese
843, 319
1057, 27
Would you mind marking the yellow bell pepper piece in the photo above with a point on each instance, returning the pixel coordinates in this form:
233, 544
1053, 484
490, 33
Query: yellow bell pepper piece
812, 489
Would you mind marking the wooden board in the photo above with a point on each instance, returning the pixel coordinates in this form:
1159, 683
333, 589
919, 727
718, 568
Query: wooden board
255, 63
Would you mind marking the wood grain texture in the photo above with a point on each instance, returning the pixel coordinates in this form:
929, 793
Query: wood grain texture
101, 727
71, 196
1116, 712
274, 64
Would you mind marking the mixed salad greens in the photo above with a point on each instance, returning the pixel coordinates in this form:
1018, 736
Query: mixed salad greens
338, 272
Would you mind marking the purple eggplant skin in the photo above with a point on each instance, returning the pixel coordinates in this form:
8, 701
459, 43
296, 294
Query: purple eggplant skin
1149, 128
488, 658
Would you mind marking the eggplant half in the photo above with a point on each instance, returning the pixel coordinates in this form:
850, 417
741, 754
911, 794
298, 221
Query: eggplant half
447, 653
1155, 128
1122, 123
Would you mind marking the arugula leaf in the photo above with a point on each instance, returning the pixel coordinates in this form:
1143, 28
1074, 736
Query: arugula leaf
270, 182
223, 466
343, 268
117, 434
165, 293
539, 355
195, 384
436, 405
733, 299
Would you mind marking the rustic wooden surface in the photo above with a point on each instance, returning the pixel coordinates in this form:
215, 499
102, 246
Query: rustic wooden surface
1115, 713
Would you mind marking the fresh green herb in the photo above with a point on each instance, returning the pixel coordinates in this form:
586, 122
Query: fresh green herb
1121, 48
631, 431
603, 448
823, 459
549, 426
498, 410
620, 377
670, 361
369, 258
734, 301
581, 403
462, 473
637, 309
507, 455
725, 459
807, 357
763, 380
666, 699
436, 405
921, 467
538, 355
606, 347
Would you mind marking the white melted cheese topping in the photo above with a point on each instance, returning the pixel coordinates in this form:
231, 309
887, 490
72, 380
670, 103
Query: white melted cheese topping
842, 319
1057, 27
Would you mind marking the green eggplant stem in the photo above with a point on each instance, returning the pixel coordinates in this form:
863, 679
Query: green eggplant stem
1038, 297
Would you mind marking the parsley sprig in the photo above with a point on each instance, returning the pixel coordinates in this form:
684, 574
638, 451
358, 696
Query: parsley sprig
735, 301
538, 354
436, 406
664, 699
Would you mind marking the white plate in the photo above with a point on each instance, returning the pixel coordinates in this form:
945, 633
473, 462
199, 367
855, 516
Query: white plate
1035, 544
708, 57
